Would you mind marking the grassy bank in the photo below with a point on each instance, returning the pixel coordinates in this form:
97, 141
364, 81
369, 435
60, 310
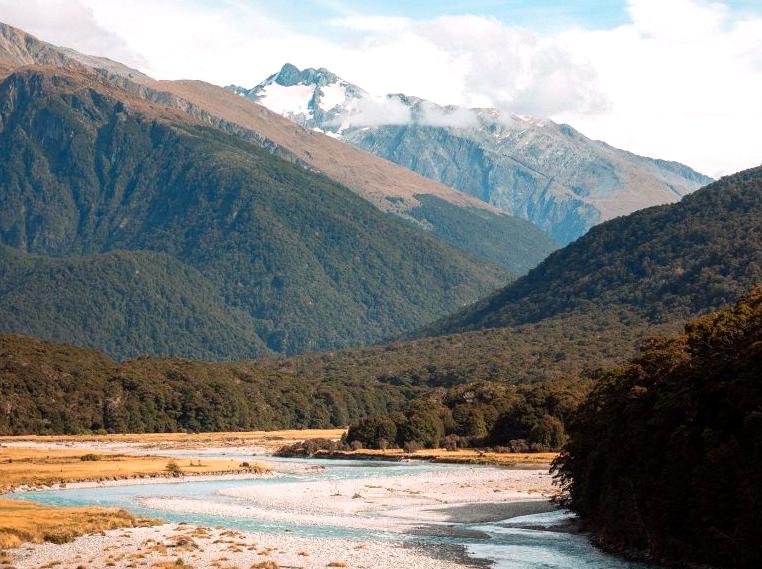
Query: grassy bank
267, 440
23, 521
460, 456
48, 467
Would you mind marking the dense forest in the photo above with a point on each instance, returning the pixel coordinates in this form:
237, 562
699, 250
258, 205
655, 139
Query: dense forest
665, 456
506, 417
127, 302
661, 265
57, 388
296, 260
52, 388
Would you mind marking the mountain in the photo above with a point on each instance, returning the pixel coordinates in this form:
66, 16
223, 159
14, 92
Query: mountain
665, 457
511, 242
127, 303
529, 167
660, 264
90, 169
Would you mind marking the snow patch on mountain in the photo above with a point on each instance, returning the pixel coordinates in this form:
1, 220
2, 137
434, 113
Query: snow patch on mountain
293, 100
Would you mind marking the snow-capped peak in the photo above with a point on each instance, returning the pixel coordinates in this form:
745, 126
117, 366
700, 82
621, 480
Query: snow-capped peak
315, 98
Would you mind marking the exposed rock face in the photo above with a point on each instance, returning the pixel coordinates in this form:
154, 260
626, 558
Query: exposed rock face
533, 168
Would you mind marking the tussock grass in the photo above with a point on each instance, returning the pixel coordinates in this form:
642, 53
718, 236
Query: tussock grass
23, 521
47, 467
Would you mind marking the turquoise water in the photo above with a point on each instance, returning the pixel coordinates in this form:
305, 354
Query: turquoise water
526, 542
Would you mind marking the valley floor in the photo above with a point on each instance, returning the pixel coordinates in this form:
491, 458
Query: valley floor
368, 520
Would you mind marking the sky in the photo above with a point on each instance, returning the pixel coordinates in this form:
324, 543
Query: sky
673, 79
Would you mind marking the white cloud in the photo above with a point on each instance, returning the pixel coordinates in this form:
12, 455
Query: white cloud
685, 82
375, 111
69, 23
682, 80
453, 117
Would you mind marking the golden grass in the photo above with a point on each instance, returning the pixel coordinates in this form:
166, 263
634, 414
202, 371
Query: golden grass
459, 456
47, 467
266, 439
23, 521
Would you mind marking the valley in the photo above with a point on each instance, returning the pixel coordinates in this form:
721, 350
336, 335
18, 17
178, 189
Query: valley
377, 511
431, 324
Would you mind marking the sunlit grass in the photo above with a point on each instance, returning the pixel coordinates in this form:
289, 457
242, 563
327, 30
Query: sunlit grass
23, 521
47, 467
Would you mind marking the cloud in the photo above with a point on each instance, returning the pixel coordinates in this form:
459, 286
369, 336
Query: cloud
375, 111
69, 23
478, 61
685, 80
452, 117
682, 79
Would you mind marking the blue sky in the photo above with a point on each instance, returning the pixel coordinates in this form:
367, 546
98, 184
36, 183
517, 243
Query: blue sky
541, 15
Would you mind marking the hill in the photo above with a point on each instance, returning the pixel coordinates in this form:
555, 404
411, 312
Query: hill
89, 169
665, 457
660, 265
530, 167
514, 243
127, 303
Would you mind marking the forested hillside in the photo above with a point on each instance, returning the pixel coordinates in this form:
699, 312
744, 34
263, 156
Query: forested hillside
659, 265
59, 388
127, 303
514, 243
665, 457
287, 254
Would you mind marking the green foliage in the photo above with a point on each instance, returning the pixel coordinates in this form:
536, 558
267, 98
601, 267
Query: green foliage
373, 432
526, 417
660, 264
126, 303
589, 304
282, 252
486, 233
50, 388
665, 456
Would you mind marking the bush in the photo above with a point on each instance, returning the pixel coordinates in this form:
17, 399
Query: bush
90, 457
412, 446
309, 447
451, 442
371, 430
173, 468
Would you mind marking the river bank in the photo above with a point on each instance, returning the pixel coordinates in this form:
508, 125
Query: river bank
304, 513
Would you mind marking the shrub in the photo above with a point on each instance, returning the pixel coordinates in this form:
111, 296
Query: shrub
90, 457
173, 468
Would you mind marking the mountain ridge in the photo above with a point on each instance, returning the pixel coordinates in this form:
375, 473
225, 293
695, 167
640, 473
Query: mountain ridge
91, 169
531, 167
388, 187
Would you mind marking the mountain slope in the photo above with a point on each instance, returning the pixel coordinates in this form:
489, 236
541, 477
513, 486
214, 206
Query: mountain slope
517, 245
89, 169
533, 168
665, 458
127, 303
664, 263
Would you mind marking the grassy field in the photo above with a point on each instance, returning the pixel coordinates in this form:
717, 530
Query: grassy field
269, 440
23, 521
48, 467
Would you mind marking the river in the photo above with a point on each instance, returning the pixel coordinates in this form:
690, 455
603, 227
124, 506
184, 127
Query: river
534, 541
